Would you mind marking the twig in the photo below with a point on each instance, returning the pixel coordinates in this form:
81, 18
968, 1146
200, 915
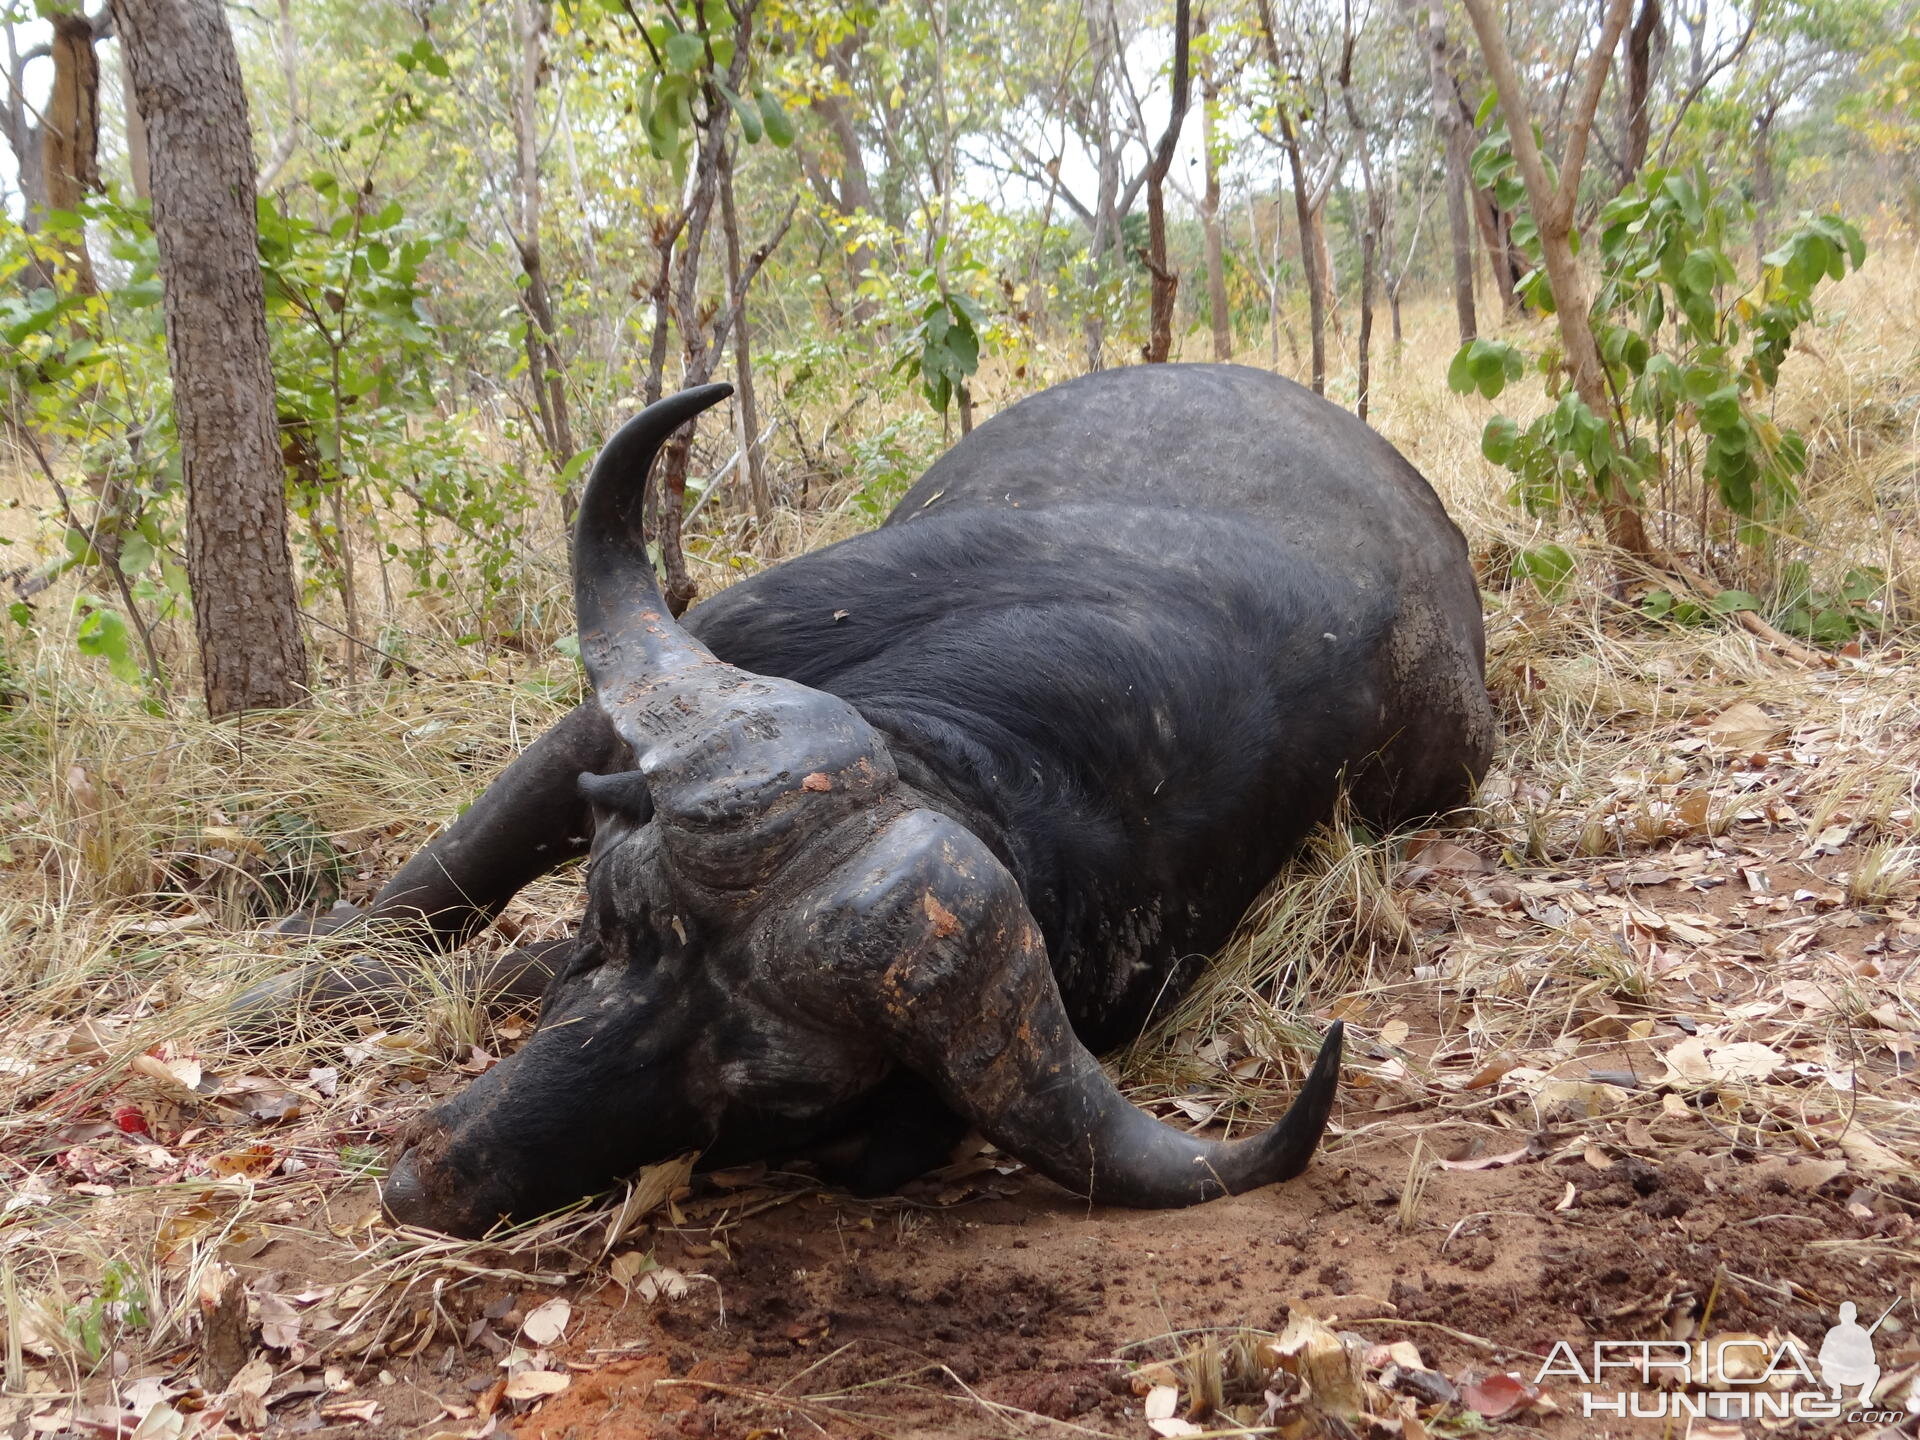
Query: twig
413, 671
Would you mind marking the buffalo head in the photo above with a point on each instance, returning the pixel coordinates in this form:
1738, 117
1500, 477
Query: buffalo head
773, 928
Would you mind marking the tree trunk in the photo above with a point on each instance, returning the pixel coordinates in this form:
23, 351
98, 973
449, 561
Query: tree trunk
1637, 122
23, 134
1309, 249
1553, 208
70, 133
186, 79
854, 195
1764, 198
1222, 323
1446, 115
1165, 283
545, 371
136, 134
1492, 224
749, 409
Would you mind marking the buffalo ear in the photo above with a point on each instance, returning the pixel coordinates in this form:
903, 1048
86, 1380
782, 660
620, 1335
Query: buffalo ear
624, 794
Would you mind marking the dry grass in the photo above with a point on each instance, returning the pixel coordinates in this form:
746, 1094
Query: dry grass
143, 852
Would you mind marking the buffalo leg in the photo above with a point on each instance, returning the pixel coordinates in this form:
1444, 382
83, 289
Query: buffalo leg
529, 820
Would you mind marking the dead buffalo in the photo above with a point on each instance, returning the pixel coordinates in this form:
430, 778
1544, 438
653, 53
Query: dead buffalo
891, 839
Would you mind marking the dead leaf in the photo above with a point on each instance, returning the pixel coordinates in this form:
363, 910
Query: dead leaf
1868, 1153
664, 1282
1743, 726
1498, 1395
548, 1322
256, 1162
1488, 1162
365, 1411
185, 1074
1490, 1073
537, 1384
247, 1394
1432, 853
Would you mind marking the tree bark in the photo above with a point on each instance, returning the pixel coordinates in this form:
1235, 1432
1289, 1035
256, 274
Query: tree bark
748, 407
1446, 116
1553, 210
1375, 220
1637, 129
186, 79
1165, 282
1222, 323
69, 133
137, 166
1764, 198
1309, 249
545, 370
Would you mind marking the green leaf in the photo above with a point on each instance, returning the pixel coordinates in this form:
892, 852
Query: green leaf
1497, 441
1549, 566
779, 126
1460, 377
1729, 602
104, 634
684, 52
750, 124
136, 555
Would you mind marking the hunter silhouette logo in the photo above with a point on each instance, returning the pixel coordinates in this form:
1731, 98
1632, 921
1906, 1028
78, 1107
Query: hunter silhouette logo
1846, 1355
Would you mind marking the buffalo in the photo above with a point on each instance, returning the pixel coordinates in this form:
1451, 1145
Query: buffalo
889, 840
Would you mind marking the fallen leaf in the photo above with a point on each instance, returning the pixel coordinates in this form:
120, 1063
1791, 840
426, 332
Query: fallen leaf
1491, 1073
247, 1392
1498, 1395
1445, 856
537, 1384
1488, 1162
365, 1411
1743, 726
662, 1283
1162, 1401
548, 1322
1744, 1060
1868, 1153
161, 1422
185, 1074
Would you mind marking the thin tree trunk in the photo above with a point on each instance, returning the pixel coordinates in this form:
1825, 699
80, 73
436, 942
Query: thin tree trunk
749, 409
70, 132
1210, 206
1309, 250
1764, 197
136, 128
1375, 219
1553, 208
1165, 283
545, 370
1446, 116
1637, 126
186, 79
1492, 224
